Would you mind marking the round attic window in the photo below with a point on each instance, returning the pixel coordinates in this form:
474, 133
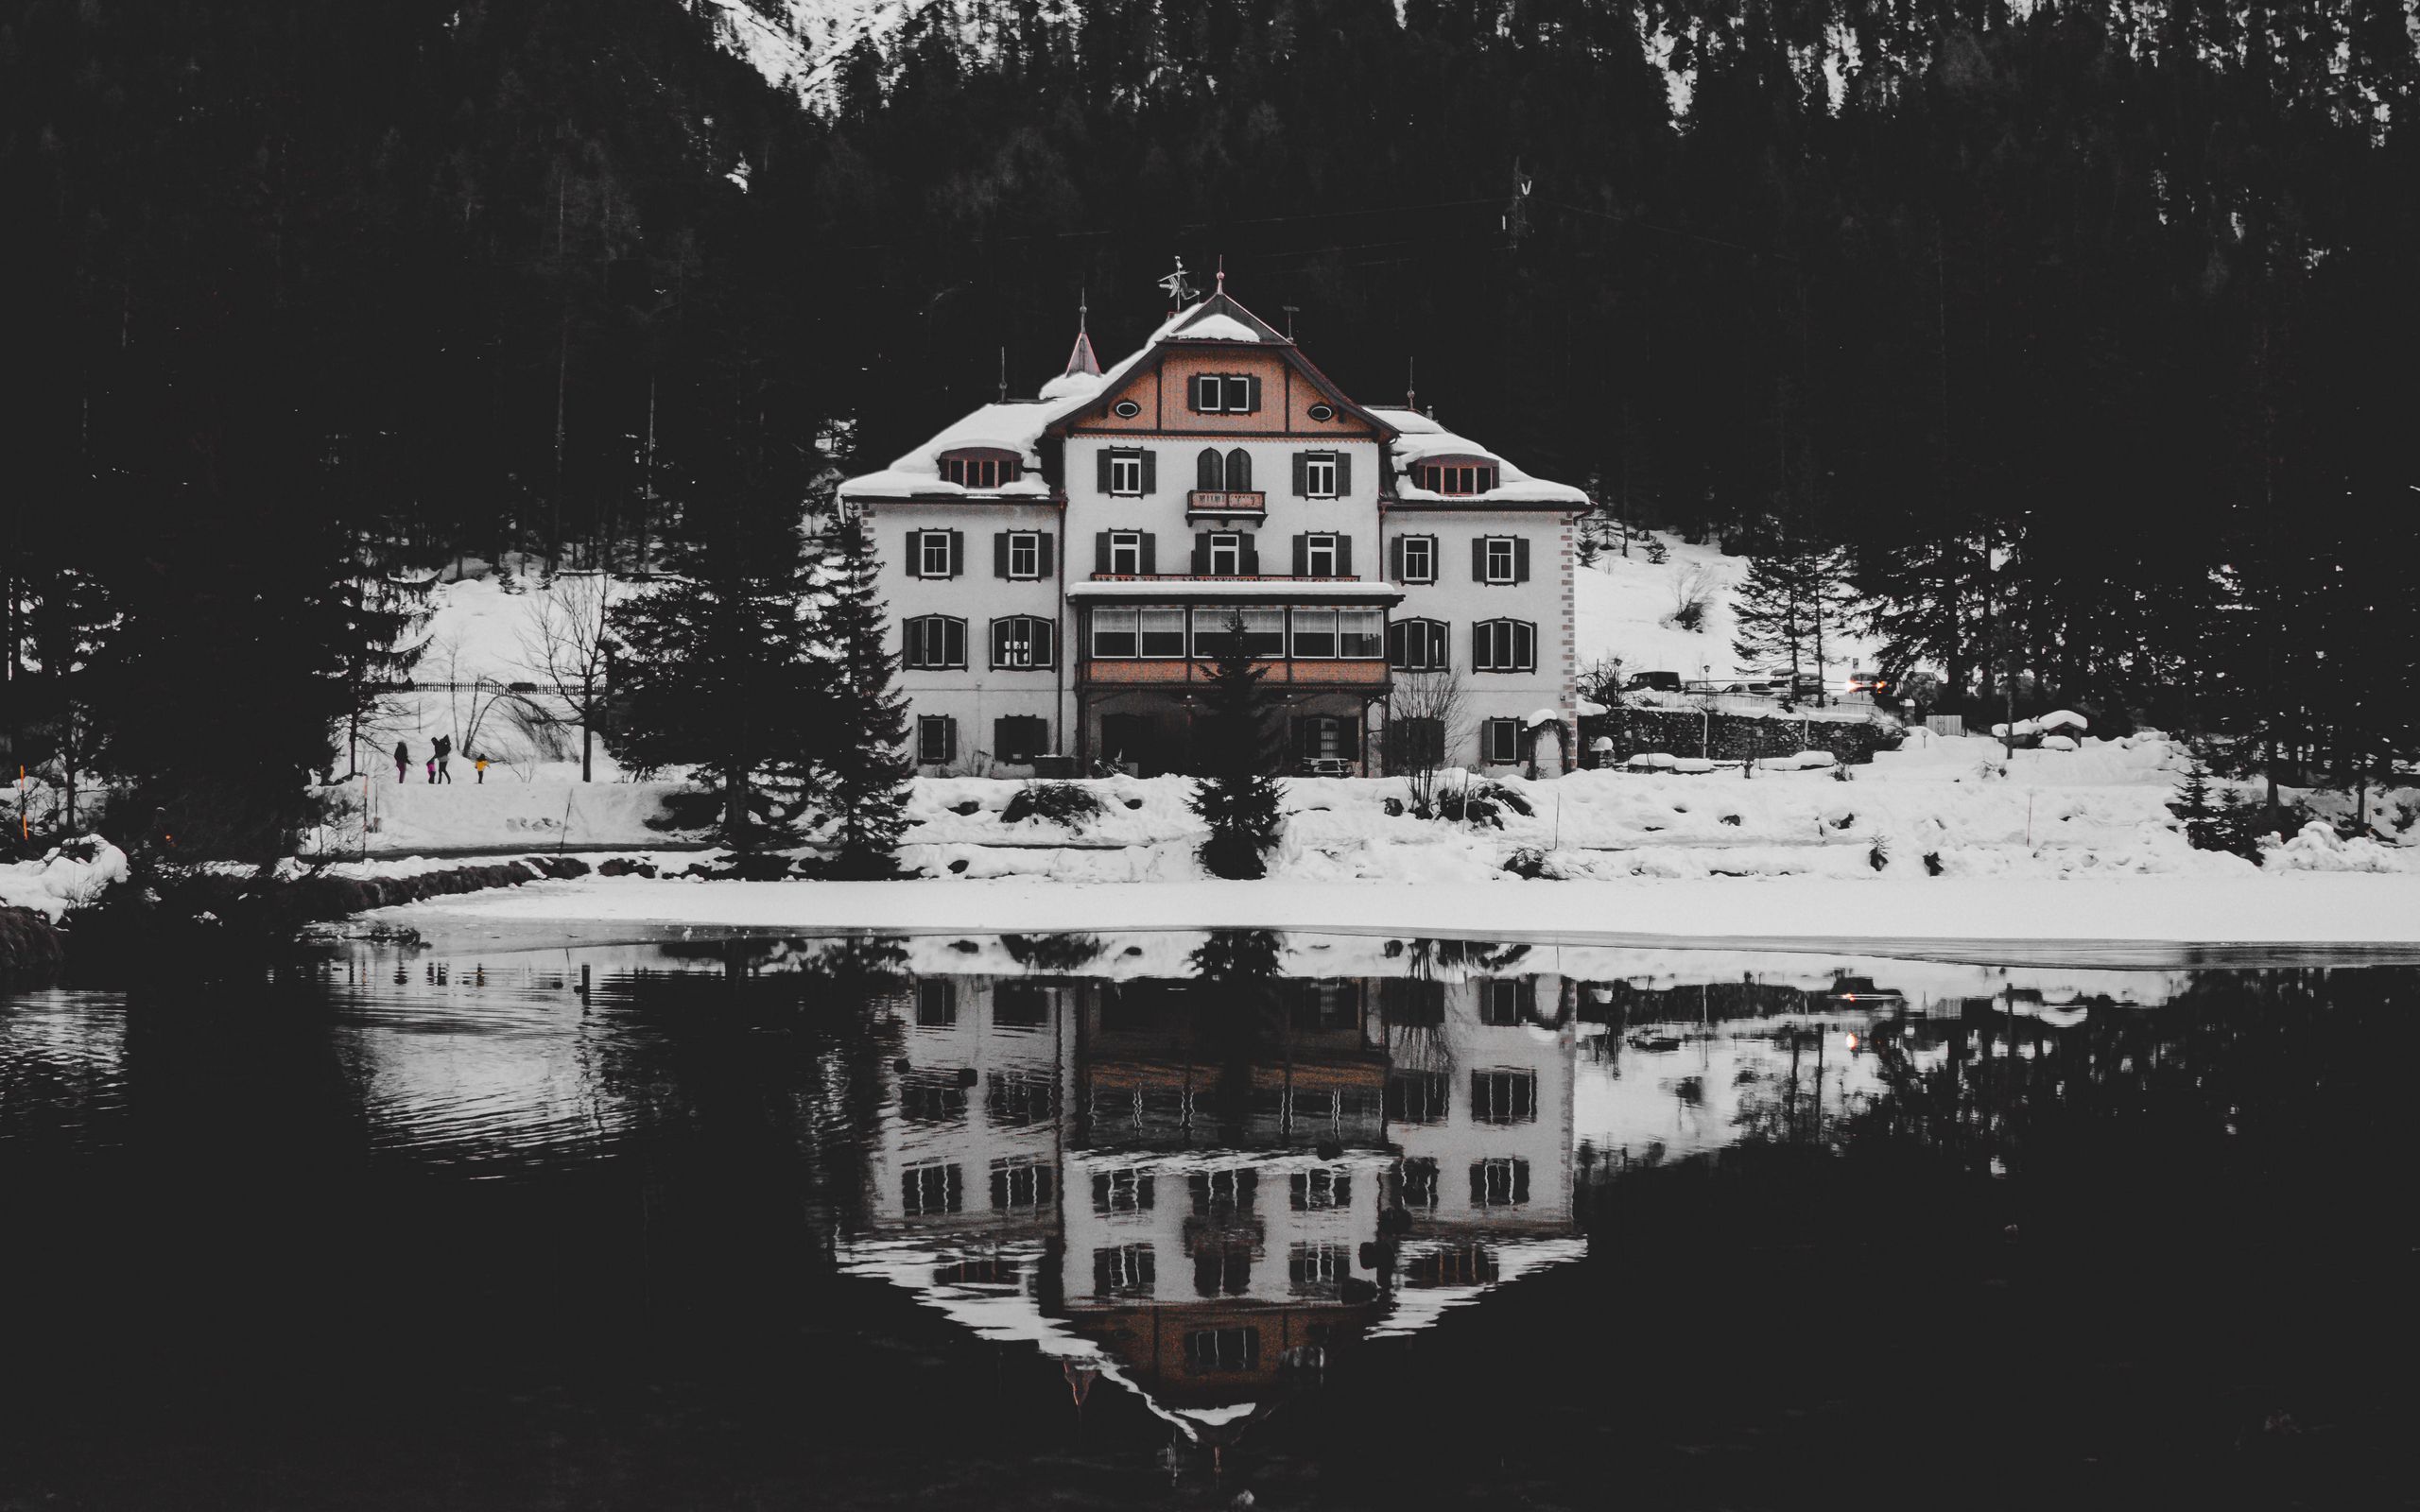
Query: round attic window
1126, 409
1322, 412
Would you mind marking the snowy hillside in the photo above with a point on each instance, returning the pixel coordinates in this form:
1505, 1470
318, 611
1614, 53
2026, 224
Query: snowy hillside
800, 44
1624, 606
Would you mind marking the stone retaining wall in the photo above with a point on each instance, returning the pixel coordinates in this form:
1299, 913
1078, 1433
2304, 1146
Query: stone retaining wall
1725, 737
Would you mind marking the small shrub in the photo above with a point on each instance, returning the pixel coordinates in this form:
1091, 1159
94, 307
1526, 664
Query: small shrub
1533, 864
1657, 552
1061, 803
970, 806
1878, 854
1732, 819
1932, 861
1480, 803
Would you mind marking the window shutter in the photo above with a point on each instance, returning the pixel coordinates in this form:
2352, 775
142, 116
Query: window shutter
1004, 732
1248, 559
949, 738
1344, 555
1478, 559
955, 633
1042, 562
999, 643
1525, 647
1396, 642
1200, 552
1484, 646
1205, 393
1100, 553
1520, 558
1240, 471
1343, 473
1302, 470
1302, 556
1045, 650
1394, 559
957, 552
1151, 555
915, 554
1251, 389
1150, 472
999, 553
1101, 460
1209, 473
908, 654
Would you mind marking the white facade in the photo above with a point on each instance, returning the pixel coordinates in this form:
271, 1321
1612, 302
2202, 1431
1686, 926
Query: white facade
1216, 471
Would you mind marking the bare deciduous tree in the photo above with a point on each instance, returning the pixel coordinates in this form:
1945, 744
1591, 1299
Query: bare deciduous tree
566, 645
1425, 720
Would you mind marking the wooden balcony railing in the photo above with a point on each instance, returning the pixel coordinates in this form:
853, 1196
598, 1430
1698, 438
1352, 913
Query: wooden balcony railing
1366, 675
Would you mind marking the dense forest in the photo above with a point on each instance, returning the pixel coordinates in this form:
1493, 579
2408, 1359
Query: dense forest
2083, 333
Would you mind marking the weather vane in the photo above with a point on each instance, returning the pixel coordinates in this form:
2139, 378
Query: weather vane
1179, 285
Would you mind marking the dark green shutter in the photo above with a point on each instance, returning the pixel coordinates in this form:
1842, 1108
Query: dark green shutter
1394, 559
949, 738
908, 656
1343, 474
1042, 556
1240, 471
1301, 467
1395, 633
1101, 554
1200, 552
1247, 559
1209, 472
1478, 559
999, 553
1344, 555
1102, 458
1151, 555
1252, 387
957, 552
1520, 558
1150, 473
1302, 556
915, 554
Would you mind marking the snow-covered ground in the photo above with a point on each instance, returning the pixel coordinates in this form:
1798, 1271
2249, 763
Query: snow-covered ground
68, 877
1880, 915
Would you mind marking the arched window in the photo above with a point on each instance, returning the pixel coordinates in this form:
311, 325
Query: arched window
1504, 646
1239, 471
979, 467
934, 641
1417, 646
1021, 641
1209, 473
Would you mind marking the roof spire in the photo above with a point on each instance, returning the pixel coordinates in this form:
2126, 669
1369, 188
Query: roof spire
1411, 394
1081, 360
1222, 272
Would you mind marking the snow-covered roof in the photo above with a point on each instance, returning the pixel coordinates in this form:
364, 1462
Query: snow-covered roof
1239, 590
1012, 425
1420, 438
1215, 328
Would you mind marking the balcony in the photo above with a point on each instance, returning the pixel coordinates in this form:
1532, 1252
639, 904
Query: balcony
1227, 502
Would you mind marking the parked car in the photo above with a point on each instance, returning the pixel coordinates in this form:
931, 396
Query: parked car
1873, 682
1653, 683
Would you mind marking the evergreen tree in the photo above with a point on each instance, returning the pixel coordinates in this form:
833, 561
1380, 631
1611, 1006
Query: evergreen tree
720, 675
865, 762
1773, 613
1234, 793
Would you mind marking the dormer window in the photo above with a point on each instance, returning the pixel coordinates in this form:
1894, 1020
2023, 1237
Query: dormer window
979, 467
1225, 393
1455, 475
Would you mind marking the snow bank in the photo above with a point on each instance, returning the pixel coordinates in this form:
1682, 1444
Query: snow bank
2319, 849
463, 814
68, 877
1882, 914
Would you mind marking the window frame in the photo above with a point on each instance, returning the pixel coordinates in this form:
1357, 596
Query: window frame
926, 726
1494, 735
1122, 542
1317, 541
1295, 632
1233, 393
1041, 640
1143, 634
1437, 637
920, 631
1127, 466
1508, 636
1230, 541
1427, 547
1510, 552
1106, 616
1352, 623
925, 543
1316, 466
1257, 632
1030, 543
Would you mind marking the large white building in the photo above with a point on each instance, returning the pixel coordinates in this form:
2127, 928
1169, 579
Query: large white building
1059, 566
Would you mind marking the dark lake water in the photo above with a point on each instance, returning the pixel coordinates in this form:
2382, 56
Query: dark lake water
1206, 1220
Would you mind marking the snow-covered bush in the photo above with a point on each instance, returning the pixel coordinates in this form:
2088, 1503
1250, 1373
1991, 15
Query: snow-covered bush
1065, 804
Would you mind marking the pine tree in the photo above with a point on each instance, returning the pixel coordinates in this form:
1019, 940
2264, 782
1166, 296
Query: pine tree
866, 764
1235, 795
1772, 613
717, 670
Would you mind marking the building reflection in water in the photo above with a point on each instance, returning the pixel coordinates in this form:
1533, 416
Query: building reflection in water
1199, 1186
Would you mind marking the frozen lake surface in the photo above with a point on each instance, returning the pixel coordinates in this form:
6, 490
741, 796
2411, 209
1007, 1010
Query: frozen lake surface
744, 1219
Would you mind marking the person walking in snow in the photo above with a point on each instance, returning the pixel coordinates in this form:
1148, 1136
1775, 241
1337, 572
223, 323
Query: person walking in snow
481, 763
403, 761
444, 753
431, 765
